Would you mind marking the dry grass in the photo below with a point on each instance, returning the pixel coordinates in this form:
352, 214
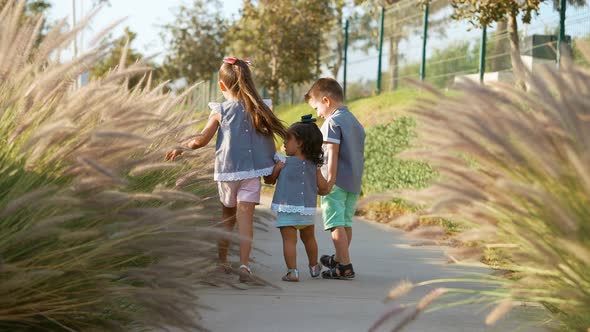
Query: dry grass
94, 234
525, 190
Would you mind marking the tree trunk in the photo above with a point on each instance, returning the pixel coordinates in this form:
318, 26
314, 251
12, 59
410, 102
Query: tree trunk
274, 85
517, 65
273, 93
394, 62
500, 46
339, 42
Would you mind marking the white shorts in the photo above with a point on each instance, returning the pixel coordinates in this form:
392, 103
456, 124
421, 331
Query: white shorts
232, 192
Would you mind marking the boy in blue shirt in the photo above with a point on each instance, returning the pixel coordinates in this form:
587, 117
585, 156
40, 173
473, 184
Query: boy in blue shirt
344, 145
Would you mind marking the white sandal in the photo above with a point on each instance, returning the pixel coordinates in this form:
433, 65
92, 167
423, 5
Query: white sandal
292, 275
245, 276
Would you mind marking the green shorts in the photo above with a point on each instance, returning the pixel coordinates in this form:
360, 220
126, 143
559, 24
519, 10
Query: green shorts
338, 208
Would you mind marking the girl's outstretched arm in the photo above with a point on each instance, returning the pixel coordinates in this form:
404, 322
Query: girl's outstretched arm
323, 187
207, 134
200, 141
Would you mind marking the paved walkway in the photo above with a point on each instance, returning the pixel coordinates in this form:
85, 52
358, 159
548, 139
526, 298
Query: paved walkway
381, 257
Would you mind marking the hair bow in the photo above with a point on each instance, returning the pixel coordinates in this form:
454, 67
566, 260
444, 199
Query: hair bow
232, 60
307, 119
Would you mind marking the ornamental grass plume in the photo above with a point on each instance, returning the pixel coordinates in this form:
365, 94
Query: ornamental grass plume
94, 233
515, 167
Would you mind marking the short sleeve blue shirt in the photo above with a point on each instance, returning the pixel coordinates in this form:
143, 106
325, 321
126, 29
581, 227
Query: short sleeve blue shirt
344, 129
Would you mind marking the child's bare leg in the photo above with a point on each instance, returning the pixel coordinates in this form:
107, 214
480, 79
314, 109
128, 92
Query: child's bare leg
245, 219
227, 224
289, 235
348, 234
340, 239
311, 246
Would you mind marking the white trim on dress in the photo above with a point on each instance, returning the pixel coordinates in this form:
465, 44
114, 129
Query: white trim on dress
307, 211
236, 176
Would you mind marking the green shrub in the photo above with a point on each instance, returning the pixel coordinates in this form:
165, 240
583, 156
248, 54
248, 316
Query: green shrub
383, 171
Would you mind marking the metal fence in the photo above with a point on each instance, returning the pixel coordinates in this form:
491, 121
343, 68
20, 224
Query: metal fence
405, 40
381, 49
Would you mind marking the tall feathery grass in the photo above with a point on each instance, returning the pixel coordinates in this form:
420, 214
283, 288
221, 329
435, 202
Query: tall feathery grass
94, 232
515, 170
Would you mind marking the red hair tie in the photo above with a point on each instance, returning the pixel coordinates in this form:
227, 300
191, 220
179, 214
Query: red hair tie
232, 60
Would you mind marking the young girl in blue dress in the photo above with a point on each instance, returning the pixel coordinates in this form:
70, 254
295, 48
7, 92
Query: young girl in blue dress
245, 151
299, 183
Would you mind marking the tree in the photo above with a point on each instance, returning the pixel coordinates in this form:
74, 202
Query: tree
336, 41
196, 41
282, 38
113, 59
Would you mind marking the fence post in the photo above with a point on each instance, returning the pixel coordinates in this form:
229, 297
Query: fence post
380, 50
345, 56
482, 54
425, 38
561, 37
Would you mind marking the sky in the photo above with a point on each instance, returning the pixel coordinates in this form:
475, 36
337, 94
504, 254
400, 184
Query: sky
146, 16
143, 17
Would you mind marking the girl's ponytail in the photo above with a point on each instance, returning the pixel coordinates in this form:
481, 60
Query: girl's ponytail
237, 77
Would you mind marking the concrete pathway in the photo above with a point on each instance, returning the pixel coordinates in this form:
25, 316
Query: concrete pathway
381, 257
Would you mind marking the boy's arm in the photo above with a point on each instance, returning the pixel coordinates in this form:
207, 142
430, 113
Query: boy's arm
200, 141
333, 151
272, 178
323, 188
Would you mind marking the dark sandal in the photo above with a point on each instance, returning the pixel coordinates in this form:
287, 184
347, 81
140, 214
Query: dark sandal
342, 272
328, 261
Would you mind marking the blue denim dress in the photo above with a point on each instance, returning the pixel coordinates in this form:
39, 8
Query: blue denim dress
240, 152
296, 193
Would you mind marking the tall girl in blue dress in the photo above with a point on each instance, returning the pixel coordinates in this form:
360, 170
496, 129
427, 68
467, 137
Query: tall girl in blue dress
295, 200
245, 150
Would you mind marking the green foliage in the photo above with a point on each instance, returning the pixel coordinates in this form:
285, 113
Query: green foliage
482, 14
282, 38
196, 41
383, 171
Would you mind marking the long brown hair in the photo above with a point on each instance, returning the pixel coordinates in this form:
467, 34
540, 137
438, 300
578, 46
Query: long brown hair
238, 80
